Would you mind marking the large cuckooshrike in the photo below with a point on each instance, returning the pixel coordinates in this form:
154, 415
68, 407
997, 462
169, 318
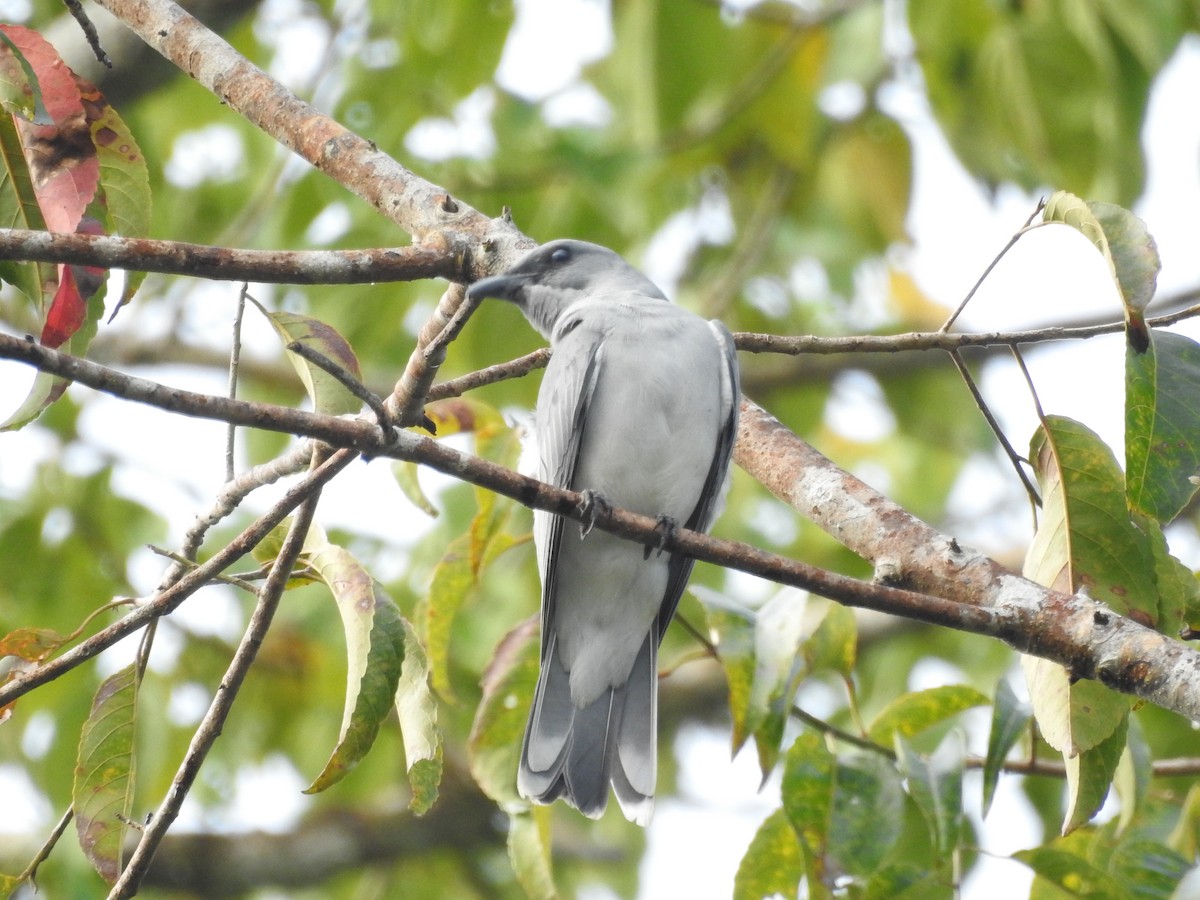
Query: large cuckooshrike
638, 407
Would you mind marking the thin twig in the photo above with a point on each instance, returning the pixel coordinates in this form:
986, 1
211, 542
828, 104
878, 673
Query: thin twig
515, 368
235, 359
231, 580
1015, 458
47, 847
218, 711
1041, 204
89, 31
168, 600
234, 492
373, 401
796, 345
406, 404
1037, 403
1041, 415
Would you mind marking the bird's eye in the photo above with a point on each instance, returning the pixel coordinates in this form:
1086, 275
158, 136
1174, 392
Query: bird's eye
560, 255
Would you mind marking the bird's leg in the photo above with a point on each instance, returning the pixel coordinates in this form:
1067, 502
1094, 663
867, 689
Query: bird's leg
593, 506
666, 526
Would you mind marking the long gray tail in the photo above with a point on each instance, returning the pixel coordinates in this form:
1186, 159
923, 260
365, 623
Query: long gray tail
576, 753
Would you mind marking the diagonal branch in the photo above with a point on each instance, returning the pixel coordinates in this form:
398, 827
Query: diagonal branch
218, 711
426, 211
962, 588
168, 599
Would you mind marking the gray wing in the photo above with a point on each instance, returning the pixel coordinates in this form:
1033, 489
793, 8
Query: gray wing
568, 389
680, 567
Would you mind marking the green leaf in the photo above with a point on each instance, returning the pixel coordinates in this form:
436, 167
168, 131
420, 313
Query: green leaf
1178, 588
267, 550
994, 74
1185, 836
375, 649
453, 582
733, 632
834, 644
45, 390
19, 209
935, 784
124, 177
1133, 776
1122, 239
406, 475
1148, 869
865, 178
1070, 871
778, 629
1073, 716
807, 793
327, 394
20, 93
1089, 776
102, 794
868, 813
456, 577
773, 865
912, 713
1009, 719
1086, 539
905, 881
416, 708
494, 747
1162, 425
529, 852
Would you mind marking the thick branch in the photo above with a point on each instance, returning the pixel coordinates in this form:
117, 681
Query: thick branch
223, 263
1084, 636
1087, 638
426, 211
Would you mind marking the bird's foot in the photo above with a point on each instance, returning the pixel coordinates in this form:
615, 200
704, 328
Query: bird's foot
666, 526
593, 506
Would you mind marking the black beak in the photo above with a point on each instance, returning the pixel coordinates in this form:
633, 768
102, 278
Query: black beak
503, 287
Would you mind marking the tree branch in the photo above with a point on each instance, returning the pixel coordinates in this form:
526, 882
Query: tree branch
436, 220
218, 711
168, 599
799, 345
226, 264
1080, 634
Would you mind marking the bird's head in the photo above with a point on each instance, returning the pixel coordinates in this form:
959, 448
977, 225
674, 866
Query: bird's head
556, 275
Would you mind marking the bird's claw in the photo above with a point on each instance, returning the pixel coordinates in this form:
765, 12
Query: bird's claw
666, 526
592, 507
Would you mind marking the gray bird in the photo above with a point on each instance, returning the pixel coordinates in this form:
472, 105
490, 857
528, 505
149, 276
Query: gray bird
637, 408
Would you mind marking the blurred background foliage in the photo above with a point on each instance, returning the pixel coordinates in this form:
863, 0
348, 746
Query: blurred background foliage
750, 158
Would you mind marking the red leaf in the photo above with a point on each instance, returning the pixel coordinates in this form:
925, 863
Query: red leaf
62, 157
67, 310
